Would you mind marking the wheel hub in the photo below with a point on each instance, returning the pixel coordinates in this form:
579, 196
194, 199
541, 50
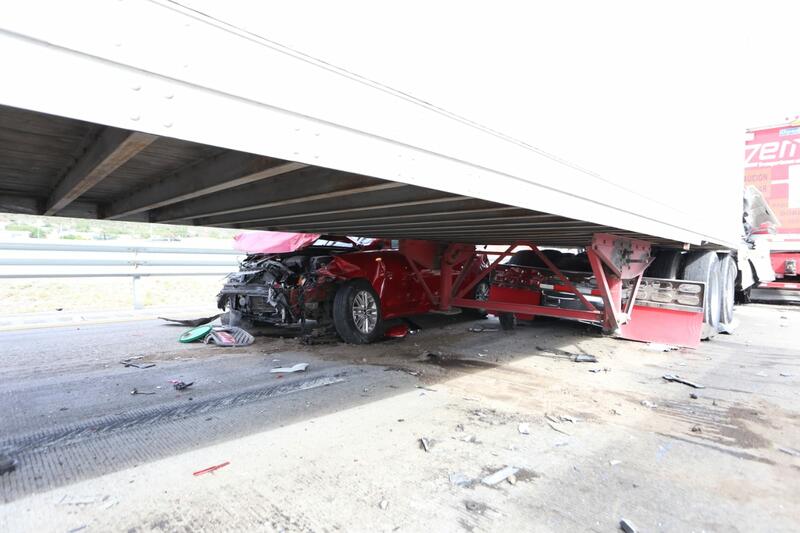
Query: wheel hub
365, 312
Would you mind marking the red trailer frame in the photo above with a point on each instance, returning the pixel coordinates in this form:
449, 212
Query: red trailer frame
613, 260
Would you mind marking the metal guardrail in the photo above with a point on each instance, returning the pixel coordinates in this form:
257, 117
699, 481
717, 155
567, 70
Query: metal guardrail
83, 256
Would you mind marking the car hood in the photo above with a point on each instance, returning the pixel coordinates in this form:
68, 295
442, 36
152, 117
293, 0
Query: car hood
279, 242
273, 242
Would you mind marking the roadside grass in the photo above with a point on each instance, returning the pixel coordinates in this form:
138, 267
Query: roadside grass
99, 294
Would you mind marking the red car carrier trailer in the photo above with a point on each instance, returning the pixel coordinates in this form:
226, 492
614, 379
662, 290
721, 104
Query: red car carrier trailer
772, 165
175, 125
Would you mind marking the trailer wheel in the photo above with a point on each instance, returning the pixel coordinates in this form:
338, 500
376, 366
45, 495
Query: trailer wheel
728, 273
666, 265
508, 321
704, 266
357, 312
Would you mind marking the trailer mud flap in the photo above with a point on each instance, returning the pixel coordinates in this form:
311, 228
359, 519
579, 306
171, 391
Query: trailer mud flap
667, 326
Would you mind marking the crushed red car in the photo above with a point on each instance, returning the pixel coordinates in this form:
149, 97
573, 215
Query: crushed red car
355, 285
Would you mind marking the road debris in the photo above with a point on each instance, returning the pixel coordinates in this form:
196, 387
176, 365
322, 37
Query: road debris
627, 526
7, 464
678, 379
190, 323
658, 347
426, 388
693, 396
481, 329
790, 451
554, 428
229, 337
557, 419
136, 391
129, 363
180, 385
211, 469
599, 369
696, 429
398, 331
196, 334
384, 504
649, 404
425, 444
614, 462
524, 428
785, 375
460, 480
584, 358
500, 475
299, 367
512, 479
474, 506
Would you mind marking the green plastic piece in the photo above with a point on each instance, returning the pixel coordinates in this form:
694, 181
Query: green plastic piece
195, 334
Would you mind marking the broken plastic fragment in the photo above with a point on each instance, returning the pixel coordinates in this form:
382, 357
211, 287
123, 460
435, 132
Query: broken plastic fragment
299, 367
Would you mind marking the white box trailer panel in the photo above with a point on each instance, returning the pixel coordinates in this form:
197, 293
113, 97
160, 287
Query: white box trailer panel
163, 115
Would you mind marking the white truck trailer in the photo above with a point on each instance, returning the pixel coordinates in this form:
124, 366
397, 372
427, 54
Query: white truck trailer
172, 123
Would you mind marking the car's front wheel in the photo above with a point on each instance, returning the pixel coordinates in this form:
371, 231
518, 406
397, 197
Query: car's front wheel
357, 313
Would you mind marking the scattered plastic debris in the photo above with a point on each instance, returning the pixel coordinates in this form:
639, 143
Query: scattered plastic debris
790, 451
180, 385
425, 444
678, 379
129, 363
649, 404
696, 429
785, 375
512, 479
384, 504
584, 358
524, 428
231, 337
191, 323
500, 475
211, 469
195, 334
761, 374
659, 347
459, 479
598, 369
627, 526
136, 391
481, 329
299, 367
614, 462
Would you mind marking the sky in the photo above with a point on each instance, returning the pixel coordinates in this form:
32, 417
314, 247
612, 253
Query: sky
653, 96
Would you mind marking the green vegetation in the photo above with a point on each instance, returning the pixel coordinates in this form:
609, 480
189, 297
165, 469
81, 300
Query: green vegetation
82, 229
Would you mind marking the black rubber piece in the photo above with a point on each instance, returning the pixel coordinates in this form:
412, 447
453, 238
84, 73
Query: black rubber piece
575, 263
704, 266
667, 265
529, 258
508, 321
728, 272
343, 316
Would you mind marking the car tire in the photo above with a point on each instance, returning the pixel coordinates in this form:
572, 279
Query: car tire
508, 321
705, 267
667, 265
357, 313
728, 272
481, 293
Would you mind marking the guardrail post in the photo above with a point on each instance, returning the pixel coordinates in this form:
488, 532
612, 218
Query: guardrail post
137, 301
